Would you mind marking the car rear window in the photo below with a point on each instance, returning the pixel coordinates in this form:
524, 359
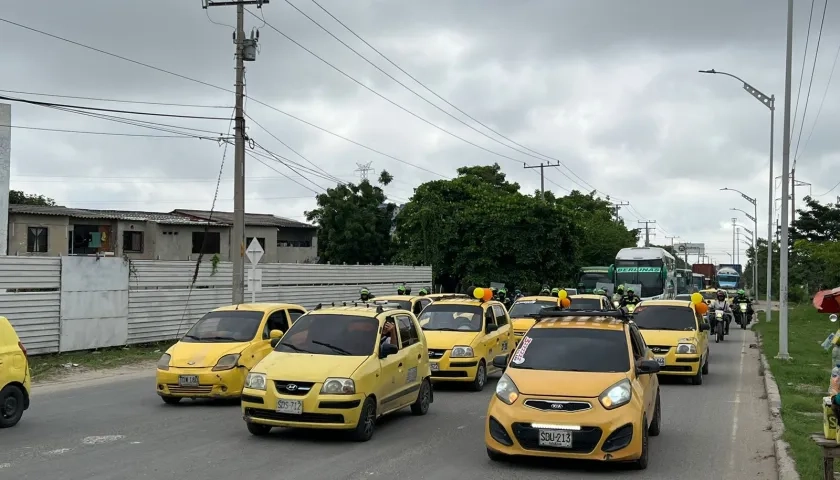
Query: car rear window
573, 350
585, 304
525, 308
662, 317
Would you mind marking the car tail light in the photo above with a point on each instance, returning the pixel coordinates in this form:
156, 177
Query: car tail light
22, 348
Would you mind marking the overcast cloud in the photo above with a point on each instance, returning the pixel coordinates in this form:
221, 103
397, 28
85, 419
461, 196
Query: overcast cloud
609, 87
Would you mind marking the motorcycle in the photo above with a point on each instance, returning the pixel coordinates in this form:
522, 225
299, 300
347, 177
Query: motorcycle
719, 324
745, 316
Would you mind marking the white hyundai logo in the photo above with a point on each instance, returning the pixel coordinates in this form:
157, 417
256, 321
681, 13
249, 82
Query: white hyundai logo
291, 387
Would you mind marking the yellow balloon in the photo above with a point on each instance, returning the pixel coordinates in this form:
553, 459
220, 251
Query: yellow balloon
562, 294
478, 293
696, 298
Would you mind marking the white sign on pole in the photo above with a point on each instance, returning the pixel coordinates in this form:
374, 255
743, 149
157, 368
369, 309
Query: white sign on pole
691, 248
254, 252
254, 283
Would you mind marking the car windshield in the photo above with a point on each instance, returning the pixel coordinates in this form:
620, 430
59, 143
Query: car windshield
662, 317
709, 295
683, 297
647, 273
585, 304
590, 280
225, 326
329, 334
458, 318
525, 308
573, 350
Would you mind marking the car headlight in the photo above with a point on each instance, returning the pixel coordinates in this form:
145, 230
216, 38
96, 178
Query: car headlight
163, 363
461, 351
339, 386
255, 381
226, 362
506, 390
686, 348
617, 395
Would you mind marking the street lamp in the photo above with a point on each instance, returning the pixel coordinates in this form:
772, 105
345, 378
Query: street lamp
769, 102
754, 218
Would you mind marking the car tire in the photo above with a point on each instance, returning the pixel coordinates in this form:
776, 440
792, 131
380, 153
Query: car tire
367, 422
642, 462
170, 400
698, 379
12, 405
480, 377
258, 429
706, 365
424, 399
496, 456
656, 424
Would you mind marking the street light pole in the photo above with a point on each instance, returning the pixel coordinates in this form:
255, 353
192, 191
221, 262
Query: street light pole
769, 102
754, 246
754, 202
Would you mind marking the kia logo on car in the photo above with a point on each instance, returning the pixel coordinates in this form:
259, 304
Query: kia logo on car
557, 406
291, 387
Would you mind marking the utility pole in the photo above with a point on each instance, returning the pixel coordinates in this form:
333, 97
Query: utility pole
541, 166
647, 230
246, 50
734, 235
783, 247
617, 208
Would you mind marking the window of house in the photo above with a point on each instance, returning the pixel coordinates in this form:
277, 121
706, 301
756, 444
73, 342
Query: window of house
133, 242
36, 240
248, 241
212, 242
294, 243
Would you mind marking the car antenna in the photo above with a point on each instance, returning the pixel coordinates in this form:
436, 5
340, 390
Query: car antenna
237, 306
333, 304
318, 307
344, 304
379, 309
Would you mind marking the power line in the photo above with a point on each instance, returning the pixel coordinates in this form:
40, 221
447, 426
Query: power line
802, 71
109, 110
88, 132
257, 158
810, 84
822, 102
114, 100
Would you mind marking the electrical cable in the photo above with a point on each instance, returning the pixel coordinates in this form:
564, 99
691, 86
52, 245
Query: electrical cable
822, 102
109, 110
87, 132
810, 84
114, 100
802, 71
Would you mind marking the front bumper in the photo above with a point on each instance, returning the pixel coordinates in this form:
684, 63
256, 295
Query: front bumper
453, 369
597, 434
320, 411
222, 384
679, 364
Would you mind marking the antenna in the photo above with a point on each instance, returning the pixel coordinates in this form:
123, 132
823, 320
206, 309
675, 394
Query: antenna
364, 169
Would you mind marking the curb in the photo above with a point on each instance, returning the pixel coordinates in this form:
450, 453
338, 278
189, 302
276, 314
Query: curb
785, 466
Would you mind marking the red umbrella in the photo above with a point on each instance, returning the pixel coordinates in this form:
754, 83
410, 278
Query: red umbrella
826, 301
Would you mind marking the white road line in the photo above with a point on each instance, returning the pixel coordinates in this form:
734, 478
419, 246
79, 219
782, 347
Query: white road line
737, 401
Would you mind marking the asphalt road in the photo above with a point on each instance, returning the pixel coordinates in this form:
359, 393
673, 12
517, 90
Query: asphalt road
119, 430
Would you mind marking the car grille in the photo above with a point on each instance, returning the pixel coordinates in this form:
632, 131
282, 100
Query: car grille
558, 405
660, 349
435, 353
297, 388
583, 441
199, 390
288, 417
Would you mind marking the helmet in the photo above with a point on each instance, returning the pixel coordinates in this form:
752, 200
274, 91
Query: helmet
619, 289
364, 291
502, 292
423, 291
401, 289
408, 290
555, 291
630, 291
517, 291
721, 294
741, 292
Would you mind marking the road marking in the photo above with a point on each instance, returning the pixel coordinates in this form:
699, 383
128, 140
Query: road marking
98, 440
5, 465
737, 401
57, 452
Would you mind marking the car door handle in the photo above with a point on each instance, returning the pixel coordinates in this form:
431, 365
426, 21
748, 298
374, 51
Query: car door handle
400, 365
419, 356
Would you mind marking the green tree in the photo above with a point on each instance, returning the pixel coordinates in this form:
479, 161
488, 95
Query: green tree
817, 222
602, 236
18, 197
355, 223
761, 244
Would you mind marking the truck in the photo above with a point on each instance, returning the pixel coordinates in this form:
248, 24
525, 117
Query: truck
729, 275
590, 278
708, 271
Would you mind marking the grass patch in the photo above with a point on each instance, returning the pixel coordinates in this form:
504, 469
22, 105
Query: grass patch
44, 367
803, 382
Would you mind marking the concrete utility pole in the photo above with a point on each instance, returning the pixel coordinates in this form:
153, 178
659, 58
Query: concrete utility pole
542, 166
783, 247
617, 208
647, 230
246, 50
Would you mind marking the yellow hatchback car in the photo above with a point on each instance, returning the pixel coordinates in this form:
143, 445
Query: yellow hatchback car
464, 336
340, 368
213, 358
678, 336
414, 304
522, 313
580, 385
15, 378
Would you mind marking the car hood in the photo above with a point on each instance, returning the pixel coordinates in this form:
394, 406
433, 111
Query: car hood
565, 384
201, 354
306, 367
667, 337
437, 340
523, 324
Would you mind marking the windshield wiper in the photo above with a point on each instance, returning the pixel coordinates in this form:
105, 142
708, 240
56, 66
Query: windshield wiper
293, 347
332, 347
221, 338
444, 329
191, 336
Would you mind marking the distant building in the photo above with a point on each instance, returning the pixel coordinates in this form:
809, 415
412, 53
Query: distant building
178, 235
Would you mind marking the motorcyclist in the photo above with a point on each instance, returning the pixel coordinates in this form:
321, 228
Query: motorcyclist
619, 294
741, 297
581, 288
503, 296
408, 289
721, 303
365, 295
423, 292
401, 290
630, 299
555, 292
545, 291
517, 294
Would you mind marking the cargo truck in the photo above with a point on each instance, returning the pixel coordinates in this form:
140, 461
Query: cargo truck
729, 276
708, 271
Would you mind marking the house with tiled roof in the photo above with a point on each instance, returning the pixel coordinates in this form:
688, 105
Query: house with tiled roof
177, 235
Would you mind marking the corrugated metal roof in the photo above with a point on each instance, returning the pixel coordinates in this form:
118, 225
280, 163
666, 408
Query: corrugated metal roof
252, 219
129, 216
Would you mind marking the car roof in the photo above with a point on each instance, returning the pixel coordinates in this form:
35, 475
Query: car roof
596, 322
465, 301
666, 303
358, 310
257, 307
438, 295
591, 296
409, 298
540, 298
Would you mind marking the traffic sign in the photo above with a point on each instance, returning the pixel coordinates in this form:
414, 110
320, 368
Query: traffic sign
255, 280
254, 252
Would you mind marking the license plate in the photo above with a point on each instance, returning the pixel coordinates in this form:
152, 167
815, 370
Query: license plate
556, 438
435, 367
292, 407
660, 361
188, 380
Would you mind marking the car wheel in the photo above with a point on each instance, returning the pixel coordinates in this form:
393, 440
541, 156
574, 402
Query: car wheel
11, 406
258, 429
496, 456
424, 399
171, 400
642, 462
656, 424
480, 377
697, 379
706, 365
367, 422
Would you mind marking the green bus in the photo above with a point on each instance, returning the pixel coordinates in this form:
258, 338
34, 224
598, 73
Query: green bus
590, 277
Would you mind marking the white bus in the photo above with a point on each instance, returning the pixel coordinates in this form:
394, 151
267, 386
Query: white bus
651, 268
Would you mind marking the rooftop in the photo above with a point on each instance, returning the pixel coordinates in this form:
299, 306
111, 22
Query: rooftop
252, 219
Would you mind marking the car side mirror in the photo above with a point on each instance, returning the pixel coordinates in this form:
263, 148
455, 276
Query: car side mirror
490, 328
500, 361
705, 327
388, 349
647, 367
275, 336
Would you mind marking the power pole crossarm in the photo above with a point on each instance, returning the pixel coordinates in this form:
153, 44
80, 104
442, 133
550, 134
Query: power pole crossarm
542, 166
647, 224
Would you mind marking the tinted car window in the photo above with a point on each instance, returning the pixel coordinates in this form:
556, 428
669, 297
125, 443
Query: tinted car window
524, 308
661, 317
408, 334
227, 326
325, 334
573, 350
585, 304
453, 318
403, 304
683, 297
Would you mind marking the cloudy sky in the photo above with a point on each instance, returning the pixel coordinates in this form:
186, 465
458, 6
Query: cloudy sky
608, 87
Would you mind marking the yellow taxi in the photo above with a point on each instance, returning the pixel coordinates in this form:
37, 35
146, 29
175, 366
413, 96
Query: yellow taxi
678, 336
15, 378
340, 368
710, 295
522, 313
464, 335
414, 304
589, 302
213, 358
438, 296
580, 385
